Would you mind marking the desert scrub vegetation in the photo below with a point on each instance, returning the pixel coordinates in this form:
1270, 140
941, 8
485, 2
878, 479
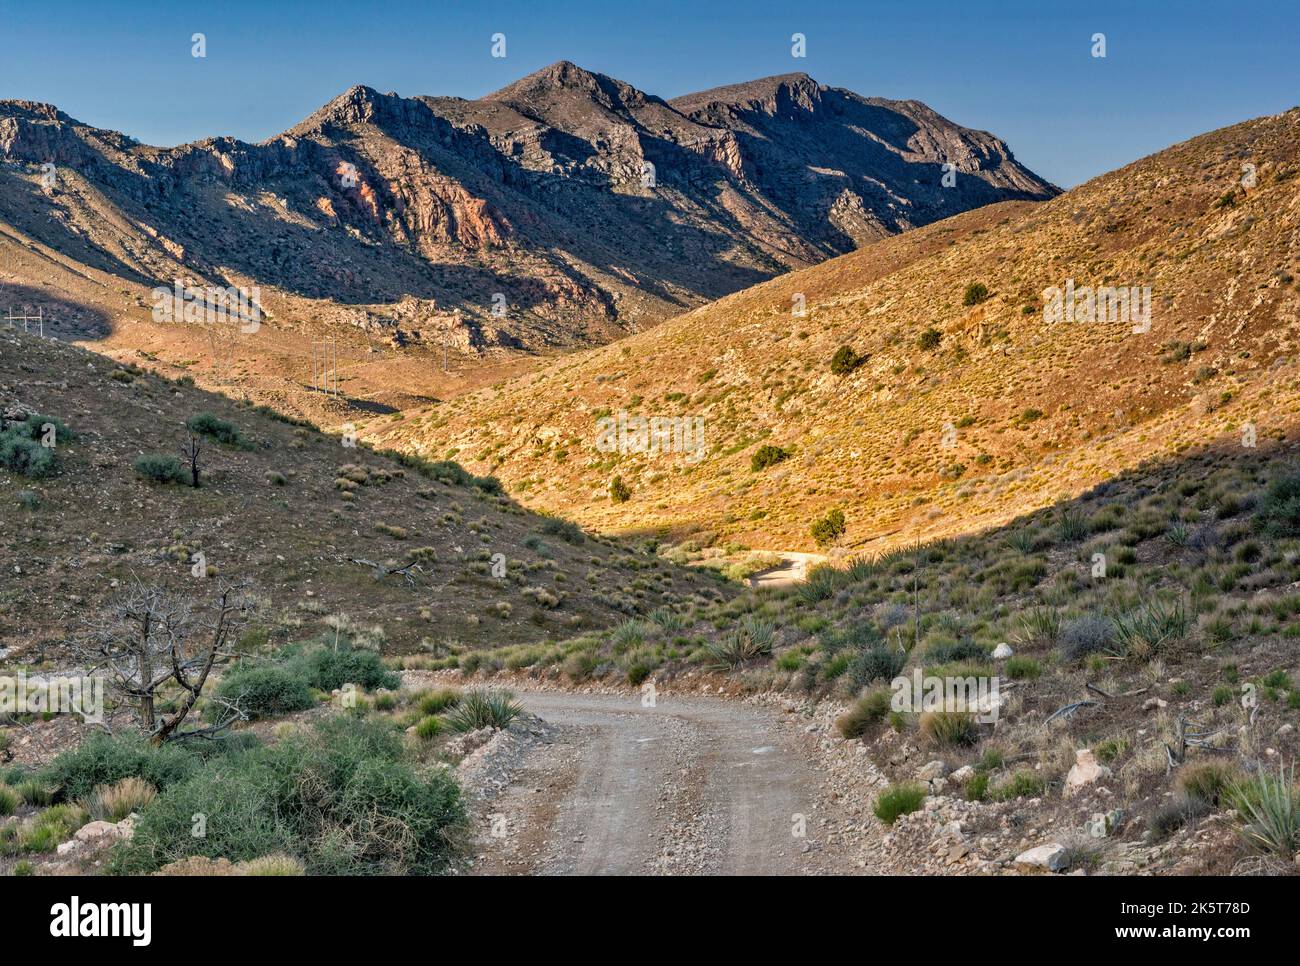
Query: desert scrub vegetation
846, 360
767, 455
484, 709
213, 427
28, 447
898, 800
341, 798
159, 468
829, 528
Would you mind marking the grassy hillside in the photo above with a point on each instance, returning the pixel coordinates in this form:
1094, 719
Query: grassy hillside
283, 505
958, 405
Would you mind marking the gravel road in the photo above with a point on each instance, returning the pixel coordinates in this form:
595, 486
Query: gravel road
690, 786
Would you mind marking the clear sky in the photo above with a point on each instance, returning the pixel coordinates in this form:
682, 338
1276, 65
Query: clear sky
1021, 69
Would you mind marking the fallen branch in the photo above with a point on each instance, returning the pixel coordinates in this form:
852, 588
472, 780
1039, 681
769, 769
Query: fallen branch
1068, 710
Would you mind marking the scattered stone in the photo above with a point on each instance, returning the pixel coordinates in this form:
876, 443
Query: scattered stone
1086, 770
1002, 650
1050, 857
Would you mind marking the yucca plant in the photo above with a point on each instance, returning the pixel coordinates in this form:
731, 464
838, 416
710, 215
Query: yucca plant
1151, 626
667, 619
819, 586
751, 639
630, 633
1270, 811
484, 709
1040, 624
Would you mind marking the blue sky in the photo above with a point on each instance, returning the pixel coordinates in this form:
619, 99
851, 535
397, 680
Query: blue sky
1023, 70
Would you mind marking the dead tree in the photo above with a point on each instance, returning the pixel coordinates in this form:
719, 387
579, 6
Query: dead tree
152, 640
191, 449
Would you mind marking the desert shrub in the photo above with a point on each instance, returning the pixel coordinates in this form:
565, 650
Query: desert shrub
899, 800
868, 710
160, 468
966, 650
105, 760
766, 456
579, 665
25, 456
829, 528
341, 798
566, 530
484, 709
1279, 511
976, 292
876, 663
929, 339
1086, 635
263, 691
638, 671
619, 491
950, 729
1172, 816
818, 585
112, 803
50, 827
9, 801
845, 360
329, 668
977, 789
209, 425
1209, 781
439, 701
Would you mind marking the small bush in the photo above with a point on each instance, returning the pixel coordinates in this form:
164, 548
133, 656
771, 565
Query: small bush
976, 292
1279, 511
951, 729
829, 528
160, 468
213, 427
439, 701
428, 728
766, 456
869, 710
262, 692
9, 801
1022, 784
899, 800
1208, 781
749, 640
845, 360
277, 865
1269, 809
329, 668
1086, 635
929, 340
1022, 668
877, 663
619, 491
112, 803
104, 760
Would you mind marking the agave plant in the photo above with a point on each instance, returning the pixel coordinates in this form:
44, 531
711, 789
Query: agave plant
751, 639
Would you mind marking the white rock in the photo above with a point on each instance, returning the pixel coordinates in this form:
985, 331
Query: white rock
1050, 857
962, 775
1002, 650
1086, 770
931, 771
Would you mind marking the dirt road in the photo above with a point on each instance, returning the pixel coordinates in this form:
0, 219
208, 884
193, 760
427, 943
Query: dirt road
692, 785
793, 569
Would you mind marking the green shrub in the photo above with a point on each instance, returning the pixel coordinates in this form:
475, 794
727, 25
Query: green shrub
428, 727
22, 450
340, 798
619, 491
829, 528
766, 456
160, 468
1279, 511
1022, 784
439, 701
752, 638
977, 789
9, 801
105, 760
329, 668
880, 662
1209, 781
1022, 668
566, 530
845, 360
263, 691
929, 340
899, 800
976, 292
213, 427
